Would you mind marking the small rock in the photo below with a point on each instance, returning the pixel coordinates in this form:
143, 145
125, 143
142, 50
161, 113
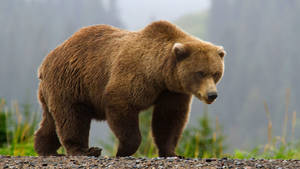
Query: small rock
199, 165
131, 158
172, 158
30, 164
158, 158
238, 163
209, 160
258, 166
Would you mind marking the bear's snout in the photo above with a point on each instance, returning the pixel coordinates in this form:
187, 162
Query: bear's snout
211, 96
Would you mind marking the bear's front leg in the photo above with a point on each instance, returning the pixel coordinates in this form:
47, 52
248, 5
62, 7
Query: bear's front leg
170, 115
124, 123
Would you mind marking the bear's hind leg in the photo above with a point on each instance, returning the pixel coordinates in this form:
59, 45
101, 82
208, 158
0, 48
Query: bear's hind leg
73, 127
46, 141
169, 118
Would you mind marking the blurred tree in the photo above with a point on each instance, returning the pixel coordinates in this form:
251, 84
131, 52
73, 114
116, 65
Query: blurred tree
262, 39
187, 23
2, 128
31, 29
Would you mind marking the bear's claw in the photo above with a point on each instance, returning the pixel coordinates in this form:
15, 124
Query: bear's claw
94, 151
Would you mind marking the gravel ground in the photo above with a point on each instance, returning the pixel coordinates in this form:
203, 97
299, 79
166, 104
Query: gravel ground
131, 162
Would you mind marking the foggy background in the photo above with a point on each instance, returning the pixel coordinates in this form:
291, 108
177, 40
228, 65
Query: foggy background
262, 39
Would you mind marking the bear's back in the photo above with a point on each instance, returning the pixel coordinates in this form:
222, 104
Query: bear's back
88, 44
81, 64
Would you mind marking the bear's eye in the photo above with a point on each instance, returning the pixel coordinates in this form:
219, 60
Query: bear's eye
217, 76
222, 54
201, 74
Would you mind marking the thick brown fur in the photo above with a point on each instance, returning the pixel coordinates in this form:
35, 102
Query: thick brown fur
106, 73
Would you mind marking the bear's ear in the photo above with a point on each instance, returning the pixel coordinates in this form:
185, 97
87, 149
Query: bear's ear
221, 52
180, 51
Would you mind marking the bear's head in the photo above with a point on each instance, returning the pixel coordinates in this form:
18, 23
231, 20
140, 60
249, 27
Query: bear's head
199, 67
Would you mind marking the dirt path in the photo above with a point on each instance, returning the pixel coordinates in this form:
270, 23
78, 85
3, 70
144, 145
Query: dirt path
131, 162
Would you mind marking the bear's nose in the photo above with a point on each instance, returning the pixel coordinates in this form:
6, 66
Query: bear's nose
211, 96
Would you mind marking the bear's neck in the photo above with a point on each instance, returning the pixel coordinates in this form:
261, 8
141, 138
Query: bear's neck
161, 67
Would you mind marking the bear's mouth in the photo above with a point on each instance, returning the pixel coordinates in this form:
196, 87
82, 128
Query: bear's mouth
209, 102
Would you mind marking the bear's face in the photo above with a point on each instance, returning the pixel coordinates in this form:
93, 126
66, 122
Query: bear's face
199, 67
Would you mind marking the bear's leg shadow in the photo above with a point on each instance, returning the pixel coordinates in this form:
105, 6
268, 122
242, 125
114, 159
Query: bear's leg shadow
73, 126
46, 141
124, 123
170, 115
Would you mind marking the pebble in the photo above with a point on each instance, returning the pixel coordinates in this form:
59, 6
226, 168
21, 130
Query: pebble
258, 166
158, 158
239, 163
209, 160
172, 158
199, 165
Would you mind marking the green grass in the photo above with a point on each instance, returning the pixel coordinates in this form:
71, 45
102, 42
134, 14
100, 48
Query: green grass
281, 152
17, 129
19, 149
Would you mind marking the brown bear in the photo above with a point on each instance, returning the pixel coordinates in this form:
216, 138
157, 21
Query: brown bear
105, 73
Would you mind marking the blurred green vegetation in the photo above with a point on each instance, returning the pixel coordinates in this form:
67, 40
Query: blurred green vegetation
3, 131
201, 141
282, 151
16, 129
